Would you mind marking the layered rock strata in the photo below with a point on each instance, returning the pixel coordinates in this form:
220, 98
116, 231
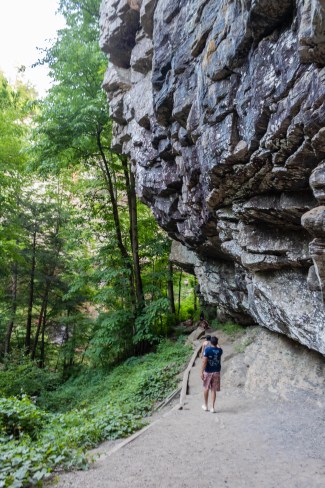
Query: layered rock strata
220, 107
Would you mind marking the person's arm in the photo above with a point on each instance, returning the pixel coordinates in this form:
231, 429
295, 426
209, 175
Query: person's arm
204, 364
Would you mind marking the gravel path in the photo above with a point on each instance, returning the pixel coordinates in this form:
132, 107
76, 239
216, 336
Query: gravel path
255, 443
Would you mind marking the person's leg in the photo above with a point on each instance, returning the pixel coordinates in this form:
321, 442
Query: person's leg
215, 386
213, 397
206, 396
206, 386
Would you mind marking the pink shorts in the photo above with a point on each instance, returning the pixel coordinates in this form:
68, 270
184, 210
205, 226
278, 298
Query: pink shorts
211, 381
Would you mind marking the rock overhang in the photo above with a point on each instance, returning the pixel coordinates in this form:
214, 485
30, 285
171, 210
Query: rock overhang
220, 107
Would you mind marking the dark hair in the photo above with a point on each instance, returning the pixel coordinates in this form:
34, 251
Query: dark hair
208, 338
214, 340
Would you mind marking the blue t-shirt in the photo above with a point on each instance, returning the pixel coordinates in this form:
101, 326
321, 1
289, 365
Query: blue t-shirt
214, 359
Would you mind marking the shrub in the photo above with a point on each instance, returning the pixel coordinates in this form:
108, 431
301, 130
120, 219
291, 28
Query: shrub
228, 328
19, 417
33, 443
26, 378
62, 441
27, 462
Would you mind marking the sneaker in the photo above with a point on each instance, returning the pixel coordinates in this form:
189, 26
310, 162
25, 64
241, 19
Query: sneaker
212, 410
205, 408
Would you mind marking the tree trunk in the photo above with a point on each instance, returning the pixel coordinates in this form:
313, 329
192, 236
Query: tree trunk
153, 274
170, 288
110, 187
48, 279
134, 236
31, 298
72, 352
42, 355
10, 326
179, 292
124, 253
40, 320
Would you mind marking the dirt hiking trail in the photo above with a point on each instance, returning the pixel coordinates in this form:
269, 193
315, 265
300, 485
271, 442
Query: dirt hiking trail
250, 442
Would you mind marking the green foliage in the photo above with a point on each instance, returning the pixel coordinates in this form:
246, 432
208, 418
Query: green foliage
111, 338
24, 463
87, 427
74, 114
16, 106
63, 442
150, 323
73, 132
25, 377
97, 406
122, 383
184, 287
228, 328
151, 386
19, 417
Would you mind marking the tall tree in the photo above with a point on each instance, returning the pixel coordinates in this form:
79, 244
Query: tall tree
73, 133
16, 107
10, 326
31, 292
74, 126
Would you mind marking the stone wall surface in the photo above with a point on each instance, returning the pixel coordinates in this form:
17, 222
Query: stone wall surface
272, 363
220, 107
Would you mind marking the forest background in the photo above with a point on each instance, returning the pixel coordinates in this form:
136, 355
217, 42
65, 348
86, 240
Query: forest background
86, 289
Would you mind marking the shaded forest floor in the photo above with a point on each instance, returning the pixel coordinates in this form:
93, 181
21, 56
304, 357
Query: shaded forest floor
252, 441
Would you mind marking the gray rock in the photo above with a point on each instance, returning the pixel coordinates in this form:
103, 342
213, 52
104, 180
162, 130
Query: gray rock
312, 32
146, 15
314, 222
279, 366
220, 106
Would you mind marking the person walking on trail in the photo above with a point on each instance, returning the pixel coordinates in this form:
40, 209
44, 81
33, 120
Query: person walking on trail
205, 344
203, 322
210, 373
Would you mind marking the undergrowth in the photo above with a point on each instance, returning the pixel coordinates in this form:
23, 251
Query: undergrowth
228, 328
94, 406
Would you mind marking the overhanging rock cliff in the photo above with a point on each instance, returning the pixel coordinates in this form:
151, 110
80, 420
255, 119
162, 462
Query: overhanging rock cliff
220, 106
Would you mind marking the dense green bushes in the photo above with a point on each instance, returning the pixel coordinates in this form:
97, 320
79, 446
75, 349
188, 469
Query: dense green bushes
20, 416
93, 406
22, 376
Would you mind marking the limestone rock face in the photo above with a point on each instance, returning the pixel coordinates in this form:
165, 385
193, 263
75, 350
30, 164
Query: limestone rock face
270, 363
220, 107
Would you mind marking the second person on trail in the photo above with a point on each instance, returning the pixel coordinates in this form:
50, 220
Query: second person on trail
205, 344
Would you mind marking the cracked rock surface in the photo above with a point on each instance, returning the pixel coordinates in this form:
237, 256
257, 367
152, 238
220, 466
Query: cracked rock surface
220, 107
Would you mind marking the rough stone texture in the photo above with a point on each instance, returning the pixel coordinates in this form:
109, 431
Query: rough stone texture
273, 363
220, 106
314, 222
